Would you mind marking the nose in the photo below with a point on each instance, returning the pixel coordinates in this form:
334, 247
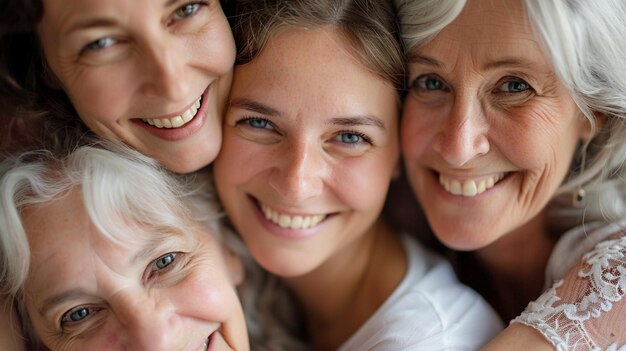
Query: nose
148, 326
299, 172
462, 135
165, 68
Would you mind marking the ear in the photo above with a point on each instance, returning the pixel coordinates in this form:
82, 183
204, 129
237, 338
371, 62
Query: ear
234, 266
586, 133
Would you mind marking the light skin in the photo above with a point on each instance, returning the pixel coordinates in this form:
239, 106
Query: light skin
485, 105
85, 292
10, 335
317, 154
488, 135
132, 67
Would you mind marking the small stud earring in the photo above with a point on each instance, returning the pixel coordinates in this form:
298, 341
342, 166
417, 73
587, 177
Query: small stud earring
578, 197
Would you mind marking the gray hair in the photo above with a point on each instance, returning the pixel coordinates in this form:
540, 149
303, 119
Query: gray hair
116, 182
585, 42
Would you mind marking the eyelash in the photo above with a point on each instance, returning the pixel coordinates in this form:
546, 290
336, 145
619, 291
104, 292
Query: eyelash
92, 46
176, 259
197, 5
246, 121
364, 137
154, 270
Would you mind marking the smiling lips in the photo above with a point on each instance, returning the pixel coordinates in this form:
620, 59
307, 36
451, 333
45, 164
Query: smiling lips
176, 121
469, 187
291, 222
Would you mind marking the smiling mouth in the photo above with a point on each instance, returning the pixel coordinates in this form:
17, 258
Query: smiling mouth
176, 121
469, 187
287, 221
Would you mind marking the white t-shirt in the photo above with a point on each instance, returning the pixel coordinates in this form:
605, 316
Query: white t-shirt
429, 310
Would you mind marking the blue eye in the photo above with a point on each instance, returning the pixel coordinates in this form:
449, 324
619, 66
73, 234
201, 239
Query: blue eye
99, 44
428, 82
164, 261
259, 123
75, 315
187, 10
350, 138
514, 86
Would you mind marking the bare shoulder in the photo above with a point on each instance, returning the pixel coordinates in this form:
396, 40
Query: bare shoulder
518, 337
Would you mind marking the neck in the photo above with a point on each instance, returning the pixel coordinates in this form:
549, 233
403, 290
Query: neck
341, 294
516, 264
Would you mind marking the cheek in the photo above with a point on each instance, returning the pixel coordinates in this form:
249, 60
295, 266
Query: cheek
363, 184
543, 142
211, 289
415, 131
101, 97
238, 162
221, 52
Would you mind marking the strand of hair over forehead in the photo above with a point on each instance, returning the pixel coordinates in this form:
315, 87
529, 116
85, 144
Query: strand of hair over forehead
421, 20
117, 184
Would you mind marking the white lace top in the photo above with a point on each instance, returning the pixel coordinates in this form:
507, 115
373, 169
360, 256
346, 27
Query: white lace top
585, 308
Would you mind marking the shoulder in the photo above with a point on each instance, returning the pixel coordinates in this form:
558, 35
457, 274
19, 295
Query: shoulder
586, 306
429, 310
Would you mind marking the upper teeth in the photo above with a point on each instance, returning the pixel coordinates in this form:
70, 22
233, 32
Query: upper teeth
205, 346
177, 121
469, 187
293, 222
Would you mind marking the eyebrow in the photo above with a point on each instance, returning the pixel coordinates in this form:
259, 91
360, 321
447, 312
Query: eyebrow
104, 21
364, 120
503, 62
509, 61
91, 23
350, 121
254, 106
58, 299
415, 58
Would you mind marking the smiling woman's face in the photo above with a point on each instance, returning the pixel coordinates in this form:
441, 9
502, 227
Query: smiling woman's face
152, 73
489, 131
307, 157
83, 292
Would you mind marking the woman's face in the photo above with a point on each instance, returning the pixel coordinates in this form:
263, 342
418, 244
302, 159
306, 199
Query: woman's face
310, 146
84, 292
488, 131
152, 73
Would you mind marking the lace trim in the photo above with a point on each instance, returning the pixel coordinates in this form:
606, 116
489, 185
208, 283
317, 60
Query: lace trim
563, 323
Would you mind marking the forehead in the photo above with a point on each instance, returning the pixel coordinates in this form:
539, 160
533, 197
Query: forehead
488, 28
64, 10
306, 66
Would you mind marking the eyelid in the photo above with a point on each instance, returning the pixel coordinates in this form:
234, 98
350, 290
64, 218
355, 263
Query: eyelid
175, 17
246, 119
363, 136
509, 79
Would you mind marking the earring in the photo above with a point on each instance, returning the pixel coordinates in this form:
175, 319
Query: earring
578, 197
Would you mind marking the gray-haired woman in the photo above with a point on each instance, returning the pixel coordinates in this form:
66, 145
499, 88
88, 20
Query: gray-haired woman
514, 140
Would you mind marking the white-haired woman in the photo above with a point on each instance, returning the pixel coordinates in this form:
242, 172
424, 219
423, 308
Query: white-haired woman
101, 249
514, 140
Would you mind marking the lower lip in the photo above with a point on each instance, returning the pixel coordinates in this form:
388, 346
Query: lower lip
286, 233
177, 134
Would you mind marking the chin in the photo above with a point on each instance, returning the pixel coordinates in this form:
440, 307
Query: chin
461, 238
